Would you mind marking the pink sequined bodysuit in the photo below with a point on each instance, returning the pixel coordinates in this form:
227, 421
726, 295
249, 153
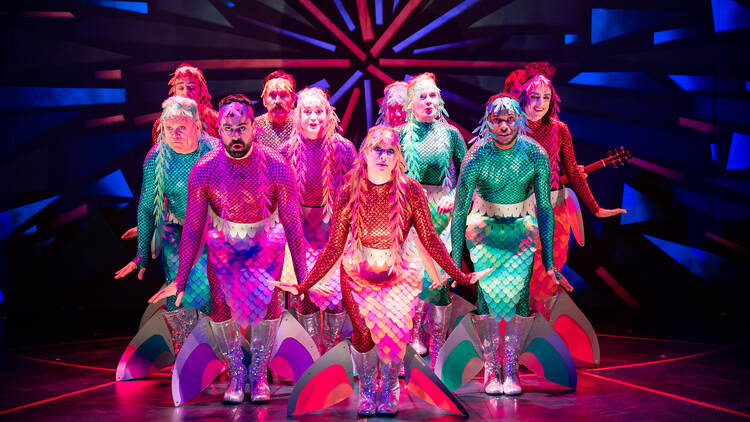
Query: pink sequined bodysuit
244, 191
376, 234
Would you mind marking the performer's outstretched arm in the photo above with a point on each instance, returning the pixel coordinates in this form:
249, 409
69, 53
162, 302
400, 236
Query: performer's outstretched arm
467, 180
287, 200
568, 158
544, 214
340, 226
426, 231
146, 217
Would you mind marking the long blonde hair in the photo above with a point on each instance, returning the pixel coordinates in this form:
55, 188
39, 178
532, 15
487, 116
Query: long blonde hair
357, 201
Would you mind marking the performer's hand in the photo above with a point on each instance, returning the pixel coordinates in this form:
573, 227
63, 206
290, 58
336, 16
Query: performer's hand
475, 277
131, 233
445, 205
560, 280
285, 286
582, 172
129, 269
170, 290
438, 284
323, 289
604, 213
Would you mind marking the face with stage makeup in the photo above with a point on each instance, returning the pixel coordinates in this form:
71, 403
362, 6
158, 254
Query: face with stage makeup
395, 101
381, 152
188, 87
425, 100
503, 121
236, 129
538, 100
278, 98
313, 115
181, 133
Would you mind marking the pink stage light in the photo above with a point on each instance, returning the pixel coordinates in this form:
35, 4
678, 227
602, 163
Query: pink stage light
114, 74
145, 118
334, 29
611, 282
728, 243
704, 127
72, 215
49, 15
105, 121
364, 20
350, 108
244, 64
62, 396
394, 27
655, 168
489, 64
380, 74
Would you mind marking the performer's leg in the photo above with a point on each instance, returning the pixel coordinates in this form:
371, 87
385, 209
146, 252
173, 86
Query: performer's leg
515, 334
363, 351
416, 332
180, 322
308, 315
389, 388
437, 322
262, 338
333, 321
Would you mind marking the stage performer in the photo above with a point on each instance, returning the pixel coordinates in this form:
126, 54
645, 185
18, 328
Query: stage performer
161, 210
540, 104
506, 168
275, 127
320, 158
381, 276
392, 112
242, 189
433, 150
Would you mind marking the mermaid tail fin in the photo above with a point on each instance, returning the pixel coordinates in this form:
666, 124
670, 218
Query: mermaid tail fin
326, 382
197, 365
575, 216
574, 329
294, 350
150, 350
460, 359
422, 382
546, 354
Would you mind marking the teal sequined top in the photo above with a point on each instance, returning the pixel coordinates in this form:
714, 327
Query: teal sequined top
165, 175
432, 151
505, 177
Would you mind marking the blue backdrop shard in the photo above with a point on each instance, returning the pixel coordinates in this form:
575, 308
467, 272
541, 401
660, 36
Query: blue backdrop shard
640, 207
699, 262
739, 152
113, 184
669, 35
612, 23
636, 81
16, 97
729, 15
12, 219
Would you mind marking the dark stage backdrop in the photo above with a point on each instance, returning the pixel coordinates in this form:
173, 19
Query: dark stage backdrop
82, 82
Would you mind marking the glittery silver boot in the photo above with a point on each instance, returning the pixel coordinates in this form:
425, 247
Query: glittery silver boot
332, 324
488, 331
515, 334
437, 323
367, 368
416, 332
228, 341
311, 324
180, 322
261, 344
389, 388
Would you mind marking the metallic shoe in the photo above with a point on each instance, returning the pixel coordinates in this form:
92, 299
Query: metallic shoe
261, 344
180, 322
311, 324
488, 331
367, 368
389, 388
416, 332
437, 323
515, 334
291, 305
332, 324
229, 342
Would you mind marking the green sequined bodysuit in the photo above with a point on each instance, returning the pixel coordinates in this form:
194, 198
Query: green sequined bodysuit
433, 152
500, 229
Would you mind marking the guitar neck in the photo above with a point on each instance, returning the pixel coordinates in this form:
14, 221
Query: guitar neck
588, 169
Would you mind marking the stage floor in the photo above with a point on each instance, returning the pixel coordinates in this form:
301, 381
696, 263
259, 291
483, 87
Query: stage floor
639, 380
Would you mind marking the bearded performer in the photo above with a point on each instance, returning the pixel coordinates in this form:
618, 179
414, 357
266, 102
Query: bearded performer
392, 112
540, 104
433, 151
320, 158
161, 210
381, 276
275, 127
506, 168
242, 189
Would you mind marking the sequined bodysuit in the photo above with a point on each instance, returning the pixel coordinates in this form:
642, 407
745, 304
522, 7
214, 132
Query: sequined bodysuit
500, 229
316, 221
241, 196
555, 137
376, 235
433, 153
272, 135
209, 118
164, 198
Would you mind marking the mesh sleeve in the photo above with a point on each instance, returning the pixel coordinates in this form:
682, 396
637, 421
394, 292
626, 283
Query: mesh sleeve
544, 214
577, 182
146, 220
195, 219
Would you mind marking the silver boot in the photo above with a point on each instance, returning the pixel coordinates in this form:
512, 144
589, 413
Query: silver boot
389, 388
261, 344
416, 332
228, 340
311, 324
367, 368
332, 324
437, 323
488, 331
180, 322
515, 335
